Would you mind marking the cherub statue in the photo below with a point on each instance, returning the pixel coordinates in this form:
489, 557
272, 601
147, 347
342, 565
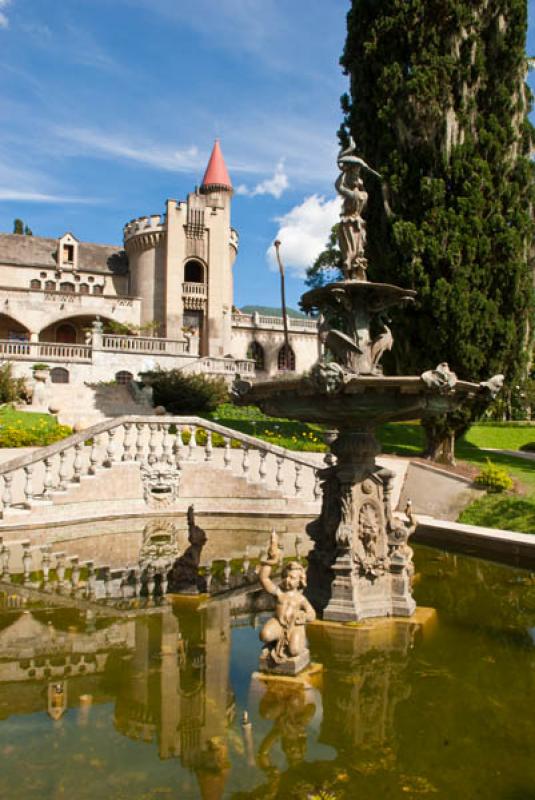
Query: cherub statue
284, 634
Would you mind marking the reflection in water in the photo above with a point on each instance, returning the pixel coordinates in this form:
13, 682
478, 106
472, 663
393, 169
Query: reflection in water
134, 707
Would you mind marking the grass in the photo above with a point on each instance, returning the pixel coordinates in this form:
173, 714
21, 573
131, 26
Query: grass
29, 428
502, 511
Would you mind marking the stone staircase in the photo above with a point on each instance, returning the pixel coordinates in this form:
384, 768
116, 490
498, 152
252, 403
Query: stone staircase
87, 405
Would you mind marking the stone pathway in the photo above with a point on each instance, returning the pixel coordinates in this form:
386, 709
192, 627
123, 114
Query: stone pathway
516, 453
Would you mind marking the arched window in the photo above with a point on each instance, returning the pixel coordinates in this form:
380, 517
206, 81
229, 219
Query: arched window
66, 287
124, 378
35, 284
83, 288
50, 286
66, 333
98, 289
59, 375
286, 359
193, 272
256, 353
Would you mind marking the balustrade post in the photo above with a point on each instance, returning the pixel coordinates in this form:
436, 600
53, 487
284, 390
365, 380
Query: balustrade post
62, 472
45, 563
192, 443
317, 485
139, 442
136, 577
48, 481
110, 450
278, 477
167, 449
208, 449
93, 455
127, 442
28, 486
164, 578
75, 573
245, 461
60, 569
262, 470
106, 574
123, 585
208, 575
77, 463
227, 572
178, 447
151, 582
151, 458
227, 456
5, 555
27, 562
297, 484
91, 578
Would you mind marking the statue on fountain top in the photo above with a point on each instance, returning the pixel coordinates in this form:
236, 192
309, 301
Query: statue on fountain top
352, 231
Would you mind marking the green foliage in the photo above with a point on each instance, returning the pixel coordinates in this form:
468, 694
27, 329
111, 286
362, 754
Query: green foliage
327, 266
282, 432
529, 447
40, 367
12, 389
181, 393
494, 478
498, 511
20, 228
27, 429
439, 107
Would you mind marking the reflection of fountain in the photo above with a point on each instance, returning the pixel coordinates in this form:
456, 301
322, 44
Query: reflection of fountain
361, 565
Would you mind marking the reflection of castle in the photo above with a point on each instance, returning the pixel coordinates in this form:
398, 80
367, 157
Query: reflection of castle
187, 704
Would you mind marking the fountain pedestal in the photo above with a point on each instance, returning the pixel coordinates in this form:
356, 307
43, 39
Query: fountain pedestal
361, 564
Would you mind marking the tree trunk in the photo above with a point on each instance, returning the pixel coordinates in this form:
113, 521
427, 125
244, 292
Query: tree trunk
439, 443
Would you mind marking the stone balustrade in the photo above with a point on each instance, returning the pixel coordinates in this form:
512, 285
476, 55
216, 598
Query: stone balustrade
169, 444
274, 323
144, 344
214, 365
194, 289
37, 351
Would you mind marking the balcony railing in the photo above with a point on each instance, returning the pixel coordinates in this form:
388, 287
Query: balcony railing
192, 289
274, 323
144, 344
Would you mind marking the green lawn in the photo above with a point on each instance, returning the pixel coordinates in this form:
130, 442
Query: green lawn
28, 428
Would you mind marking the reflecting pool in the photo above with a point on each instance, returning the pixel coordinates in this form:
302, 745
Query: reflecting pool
151, 706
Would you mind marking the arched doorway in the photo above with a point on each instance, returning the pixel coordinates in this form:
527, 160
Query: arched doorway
66, 333
193, 272
286, 359
59, 375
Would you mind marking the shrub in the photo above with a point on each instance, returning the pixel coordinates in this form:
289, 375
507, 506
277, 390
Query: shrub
37, 367
529, 447
12, 389
181, 393
494, 478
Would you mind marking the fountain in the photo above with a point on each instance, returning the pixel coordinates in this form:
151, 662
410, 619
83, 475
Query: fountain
361, 564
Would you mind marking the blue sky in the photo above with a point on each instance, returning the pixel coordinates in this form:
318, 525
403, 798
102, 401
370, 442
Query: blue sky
108, 107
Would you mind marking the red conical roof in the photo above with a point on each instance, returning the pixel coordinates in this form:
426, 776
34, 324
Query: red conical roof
216, 175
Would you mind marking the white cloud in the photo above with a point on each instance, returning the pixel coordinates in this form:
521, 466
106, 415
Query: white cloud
39, 197
274, 186
303, 233
90, 141
4, 22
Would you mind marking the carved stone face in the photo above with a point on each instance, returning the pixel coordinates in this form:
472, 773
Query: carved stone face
293, 578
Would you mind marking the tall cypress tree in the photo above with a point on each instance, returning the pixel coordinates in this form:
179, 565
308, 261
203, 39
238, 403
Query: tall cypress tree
438, 105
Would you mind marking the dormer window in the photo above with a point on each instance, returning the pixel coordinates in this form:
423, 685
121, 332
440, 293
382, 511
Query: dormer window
68, 253
67, 256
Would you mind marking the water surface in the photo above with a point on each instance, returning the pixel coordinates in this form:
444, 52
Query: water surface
151, 707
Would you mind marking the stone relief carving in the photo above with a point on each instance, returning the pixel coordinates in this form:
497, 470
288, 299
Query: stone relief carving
441, 378
160, 485
159, 546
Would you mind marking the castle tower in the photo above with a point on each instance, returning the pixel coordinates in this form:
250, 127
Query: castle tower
181, 266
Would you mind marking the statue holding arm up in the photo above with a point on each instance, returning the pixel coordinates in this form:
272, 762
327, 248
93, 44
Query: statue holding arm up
284, 636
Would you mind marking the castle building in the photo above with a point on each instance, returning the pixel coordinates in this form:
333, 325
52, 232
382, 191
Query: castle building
95, 312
